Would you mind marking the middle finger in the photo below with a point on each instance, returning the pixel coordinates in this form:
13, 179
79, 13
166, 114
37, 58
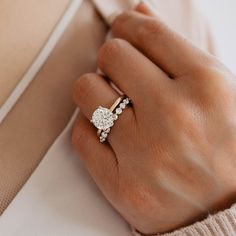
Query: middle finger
131, 71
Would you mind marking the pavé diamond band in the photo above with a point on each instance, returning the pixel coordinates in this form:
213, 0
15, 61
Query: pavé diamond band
103, 118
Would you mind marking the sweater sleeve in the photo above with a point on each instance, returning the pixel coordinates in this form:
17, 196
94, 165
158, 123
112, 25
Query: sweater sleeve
220, 224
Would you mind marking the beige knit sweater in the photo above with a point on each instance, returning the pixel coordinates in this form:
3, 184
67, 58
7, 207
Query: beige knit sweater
220, 224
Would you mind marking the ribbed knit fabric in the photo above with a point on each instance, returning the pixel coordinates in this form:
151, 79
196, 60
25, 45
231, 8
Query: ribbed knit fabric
220, 224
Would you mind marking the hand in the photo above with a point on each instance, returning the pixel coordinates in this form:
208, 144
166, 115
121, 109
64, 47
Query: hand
171, 158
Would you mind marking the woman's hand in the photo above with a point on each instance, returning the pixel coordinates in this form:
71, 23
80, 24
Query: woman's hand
171, 158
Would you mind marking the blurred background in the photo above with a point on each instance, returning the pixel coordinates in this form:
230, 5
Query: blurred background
222, 17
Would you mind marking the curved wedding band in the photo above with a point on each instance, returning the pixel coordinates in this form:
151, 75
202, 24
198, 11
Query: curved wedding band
103, 118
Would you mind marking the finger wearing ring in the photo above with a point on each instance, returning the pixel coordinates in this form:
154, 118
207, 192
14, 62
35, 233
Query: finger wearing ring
92, 90
104, 118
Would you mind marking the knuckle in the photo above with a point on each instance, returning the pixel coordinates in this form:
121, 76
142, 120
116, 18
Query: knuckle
84, 86
120, 21
109, 50
214, 78
205, 66
148, 28
153, 26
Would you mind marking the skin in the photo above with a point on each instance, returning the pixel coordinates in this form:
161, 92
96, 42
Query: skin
171, 157
19, 24
46, 106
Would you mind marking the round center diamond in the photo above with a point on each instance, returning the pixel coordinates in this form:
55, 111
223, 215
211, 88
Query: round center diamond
103, 118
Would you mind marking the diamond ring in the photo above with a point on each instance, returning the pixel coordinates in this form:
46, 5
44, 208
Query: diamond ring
103, 118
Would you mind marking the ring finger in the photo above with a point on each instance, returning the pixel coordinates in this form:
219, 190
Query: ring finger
92, 91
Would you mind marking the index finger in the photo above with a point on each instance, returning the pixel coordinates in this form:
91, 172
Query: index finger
168, 49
